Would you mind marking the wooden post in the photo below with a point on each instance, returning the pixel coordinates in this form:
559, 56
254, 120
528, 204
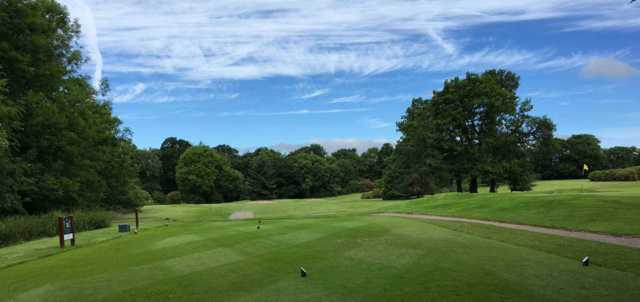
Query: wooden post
61, 232
73, 230
137, 221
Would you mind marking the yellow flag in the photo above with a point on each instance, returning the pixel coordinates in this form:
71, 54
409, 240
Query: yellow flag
585, 167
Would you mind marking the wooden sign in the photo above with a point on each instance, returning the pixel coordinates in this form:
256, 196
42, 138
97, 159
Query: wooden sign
66, 230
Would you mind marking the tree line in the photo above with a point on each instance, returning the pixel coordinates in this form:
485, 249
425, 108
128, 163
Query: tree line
180, 172
61, 147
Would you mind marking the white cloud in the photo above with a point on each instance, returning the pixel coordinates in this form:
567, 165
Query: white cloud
376, 123
608, 68
347, 99
130, 93
80, 10
294, 112
315, 93
363, 99
228, 39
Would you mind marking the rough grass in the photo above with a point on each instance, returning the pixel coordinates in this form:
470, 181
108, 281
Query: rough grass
194, 253
24, 228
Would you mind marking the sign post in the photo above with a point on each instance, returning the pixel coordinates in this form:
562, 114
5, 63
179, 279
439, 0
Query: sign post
66, 230
137, 221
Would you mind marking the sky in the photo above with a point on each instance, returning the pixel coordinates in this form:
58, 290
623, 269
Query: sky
341, 73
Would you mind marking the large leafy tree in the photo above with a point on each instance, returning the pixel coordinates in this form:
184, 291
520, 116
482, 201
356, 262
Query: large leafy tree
65, 148
170, 151
263, 169
416, 166
620, 157
477, 124
584, 149
346, 163
370, 167
149, 169
306, 174
203, 175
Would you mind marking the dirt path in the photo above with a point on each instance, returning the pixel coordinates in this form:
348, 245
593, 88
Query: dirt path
633, 242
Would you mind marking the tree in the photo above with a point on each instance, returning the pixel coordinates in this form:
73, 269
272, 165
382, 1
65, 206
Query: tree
346, 163
9, 200
476, 123
307, 174
620, 157
584, 149
203, 175
315, 149
545, 151
65, 148
416, 167
263, 169
150, 171
370, 167
170, 151
415, 170
230, 153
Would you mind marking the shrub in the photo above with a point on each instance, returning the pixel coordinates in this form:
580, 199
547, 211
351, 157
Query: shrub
374, 194
158, 197
174, 197
360, 186
519, 176
28, 227
626, 174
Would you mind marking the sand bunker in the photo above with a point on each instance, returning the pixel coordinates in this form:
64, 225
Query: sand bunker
262, 201
242, 215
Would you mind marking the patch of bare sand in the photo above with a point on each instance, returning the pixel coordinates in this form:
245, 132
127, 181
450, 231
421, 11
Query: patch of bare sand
261, 201
242, 215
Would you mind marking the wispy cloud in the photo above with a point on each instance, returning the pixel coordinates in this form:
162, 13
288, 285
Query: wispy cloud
315, 93
80, 10
130, 93
202, 40
376, 123
375, 99
294, 112
347, 99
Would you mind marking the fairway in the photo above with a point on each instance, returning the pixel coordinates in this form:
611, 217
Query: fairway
367, 258
194, 252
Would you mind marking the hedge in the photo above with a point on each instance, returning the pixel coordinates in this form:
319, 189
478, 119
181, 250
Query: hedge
625, 174
28, 227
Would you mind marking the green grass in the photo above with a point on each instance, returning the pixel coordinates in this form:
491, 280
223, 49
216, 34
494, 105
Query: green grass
192, 252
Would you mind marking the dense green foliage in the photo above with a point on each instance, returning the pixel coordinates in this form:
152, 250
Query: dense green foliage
60, 146
624, 174
170, 152
477, 129
205, 176
28, 227
474, 127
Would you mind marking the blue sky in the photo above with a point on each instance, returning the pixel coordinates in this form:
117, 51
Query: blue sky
341, 73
